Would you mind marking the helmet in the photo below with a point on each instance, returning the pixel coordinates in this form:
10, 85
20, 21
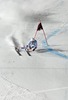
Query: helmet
32, 39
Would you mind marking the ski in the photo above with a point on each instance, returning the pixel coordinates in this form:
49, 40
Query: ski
18, 52
28, 53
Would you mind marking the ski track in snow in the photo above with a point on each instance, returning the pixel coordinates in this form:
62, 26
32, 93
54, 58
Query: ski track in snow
54, 33
57, 31
16, 92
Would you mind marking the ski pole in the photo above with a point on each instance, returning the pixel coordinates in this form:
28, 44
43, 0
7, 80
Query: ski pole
45, 36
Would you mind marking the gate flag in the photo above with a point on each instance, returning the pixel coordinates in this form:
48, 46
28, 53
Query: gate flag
40, 27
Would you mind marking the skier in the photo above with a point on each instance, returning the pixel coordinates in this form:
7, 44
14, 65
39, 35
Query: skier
31, 45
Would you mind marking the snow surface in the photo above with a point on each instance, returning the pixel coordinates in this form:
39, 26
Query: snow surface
44, 75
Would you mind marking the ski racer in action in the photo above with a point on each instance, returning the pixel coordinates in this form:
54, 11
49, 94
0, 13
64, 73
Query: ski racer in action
31, 46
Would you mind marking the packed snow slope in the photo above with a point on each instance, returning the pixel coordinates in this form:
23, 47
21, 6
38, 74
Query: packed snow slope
46, 71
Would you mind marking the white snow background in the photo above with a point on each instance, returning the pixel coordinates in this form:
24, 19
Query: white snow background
44, 75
